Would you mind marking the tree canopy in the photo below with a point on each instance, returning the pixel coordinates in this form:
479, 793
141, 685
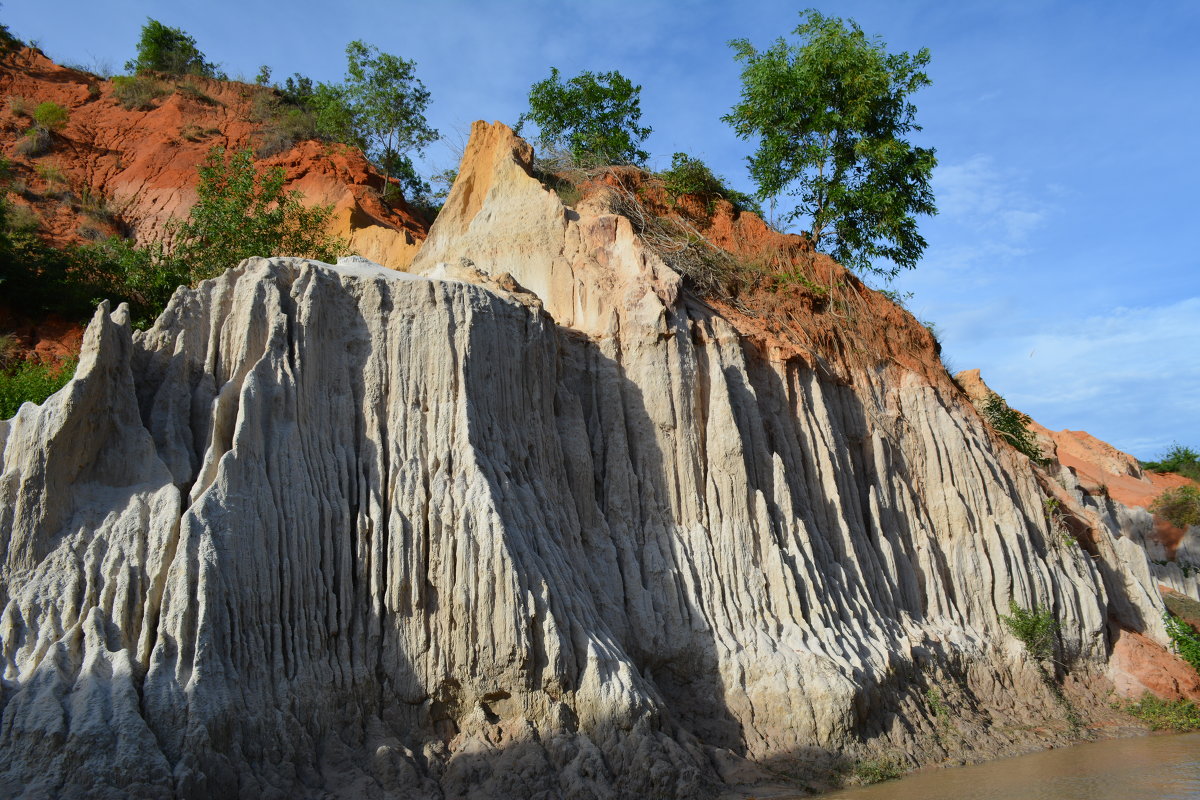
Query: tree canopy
830, 113
593, 116
387, 104
165, 49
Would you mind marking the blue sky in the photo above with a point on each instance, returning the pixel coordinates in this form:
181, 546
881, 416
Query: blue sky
1062, 263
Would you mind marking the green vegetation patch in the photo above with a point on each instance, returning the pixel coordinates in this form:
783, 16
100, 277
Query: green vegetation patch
1012, 425
1184, 640
1174, 715
878, 770
1036, 628
138, 92
1179, 459
31, 382
691, 176
1179, 506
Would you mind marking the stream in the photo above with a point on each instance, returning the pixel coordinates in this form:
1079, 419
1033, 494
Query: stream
1164, 767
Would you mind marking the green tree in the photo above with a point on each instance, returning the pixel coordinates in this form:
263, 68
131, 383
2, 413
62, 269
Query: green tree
241, 212
170, 50
381, 108
593, 116
830, 114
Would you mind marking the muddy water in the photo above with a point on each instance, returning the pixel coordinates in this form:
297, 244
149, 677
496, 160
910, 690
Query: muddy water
1142, 768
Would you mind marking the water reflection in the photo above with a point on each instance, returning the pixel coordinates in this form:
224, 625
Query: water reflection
1145, 768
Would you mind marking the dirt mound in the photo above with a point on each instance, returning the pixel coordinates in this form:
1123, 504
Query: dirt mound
115, 169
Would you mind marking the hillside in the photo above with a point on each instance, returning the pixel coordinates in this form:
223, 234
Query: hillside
114, 169
533, 518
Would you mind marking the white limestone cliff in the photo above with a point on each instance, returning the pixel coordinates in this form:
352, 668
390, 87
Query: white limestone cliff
534, 523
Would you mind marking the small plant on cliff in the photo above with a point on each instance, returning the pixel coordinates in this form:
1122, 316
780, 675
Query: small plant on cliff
594, 116
1176, 715
1057, 519
39, 139
1184, 640
165, 49
1012, 425
1036, 628
1179, 506
831, 115
8, 42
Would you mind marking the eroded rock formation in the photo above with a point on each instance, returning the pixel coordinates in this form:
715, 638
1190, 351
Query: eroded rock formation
530, 521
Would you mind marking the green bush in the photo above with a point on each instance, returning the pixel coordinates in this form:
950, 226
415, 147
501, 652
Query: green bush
1181, 460
1183, 640
170, 50
1179, 506
691, 176
878, 770
1177, 715
1012, 425
31, 382
138, 92
50, 116
1036, 629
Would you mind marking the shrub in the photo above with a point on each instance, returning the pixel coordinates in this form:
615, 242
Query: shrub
21, 219
1184, 641
50, 116
31, 382
37, 141
1177, 715
51, 173
691, 176
1036, 629
18, 106
1180, 460
138, 92
1179, 506
1012, 425
8, 42
878, 770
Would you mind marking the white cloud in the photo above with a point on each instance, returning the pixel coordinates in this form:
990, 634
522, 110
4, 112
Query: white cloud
978, 195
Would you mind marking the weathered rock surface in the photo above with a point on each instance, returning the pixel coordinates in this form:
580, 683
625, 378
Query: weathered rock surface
534, 523
1103, 486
